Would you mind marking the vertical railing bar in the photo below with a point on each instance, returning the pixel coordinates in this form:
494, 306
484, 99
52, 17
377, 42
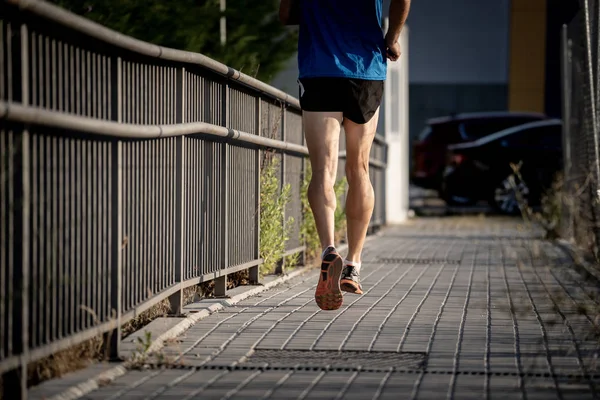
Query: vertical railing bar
88, 84
104, 261
221, 282
71, 188
155, 179
23, 307
113, 339
144, 89
72, 74
50, 263
566, 128
46, 72
167, 272
92, 84
161, 95
143, 225
35, 261
40, 71
33, 60
176, 300
165, 182
98, 112
62, 62
53, 87
3, 92
254, 272
78, 76
134, 174
137, 93
281, 265
79, 235
59, 230
68, 263
87, 223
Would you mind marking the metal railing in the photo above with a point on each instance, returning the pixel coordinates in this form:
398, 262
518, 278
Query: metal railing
129, 172
581, 132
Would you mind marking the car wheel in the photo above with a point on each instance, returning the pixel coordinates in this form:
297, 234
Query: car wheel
509, 195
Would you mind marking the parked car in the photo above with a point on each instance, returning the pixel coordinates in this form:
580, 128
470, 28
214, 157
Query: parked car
481, 169
429, 150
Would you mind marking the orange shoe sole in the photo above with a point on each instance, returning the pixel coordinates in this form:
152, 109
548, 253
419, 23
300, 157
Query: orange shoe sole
348, 285
329, 294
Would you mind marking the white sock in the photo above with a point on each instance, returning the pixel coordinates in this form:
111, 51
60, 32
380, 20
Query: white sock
355, 264
325, 249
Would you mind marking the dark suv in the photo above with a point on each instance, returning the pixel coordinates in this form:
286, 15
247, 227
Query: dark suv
429, 150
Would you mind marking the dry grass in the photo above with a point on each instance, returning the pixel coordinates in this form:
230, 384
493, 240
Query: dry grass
84, 354
63, 362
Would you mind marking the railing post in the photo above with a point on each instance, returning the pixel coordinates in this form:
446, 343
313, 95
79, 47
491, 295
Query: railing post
302, 259
281, 265
113, 339
254, 272
566, 220
176, 299
221, 281
14, 382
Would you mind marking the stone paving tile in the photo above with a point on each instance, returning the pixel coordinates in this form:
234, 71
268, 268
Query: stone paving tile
495, 312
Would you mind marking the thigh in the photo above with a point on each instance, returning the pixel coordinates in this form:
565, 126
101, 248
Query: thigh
322, 133
363, 99
359, 138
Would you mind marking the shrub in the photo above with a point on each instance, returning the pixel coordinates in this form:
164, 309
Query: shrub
274, 230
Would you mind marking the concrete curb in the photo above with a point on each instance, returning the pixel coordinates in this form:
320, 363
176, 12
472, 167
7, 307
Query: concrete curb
581, 265
106, 377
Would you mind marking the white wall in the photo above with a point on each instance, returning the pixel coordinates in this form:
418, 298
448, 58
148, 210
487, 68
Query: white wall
395, 129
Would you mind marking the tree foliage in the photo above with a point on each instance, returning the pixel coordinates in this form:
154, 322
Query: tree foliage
257, 43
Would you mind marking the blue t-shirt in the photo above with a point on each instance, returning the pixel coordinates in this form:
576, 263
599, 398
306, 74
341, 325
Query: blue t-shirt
341, 38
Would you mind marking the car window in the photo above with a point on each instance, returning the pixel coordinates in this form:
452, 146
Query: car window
425, 133
543, 137
472, 130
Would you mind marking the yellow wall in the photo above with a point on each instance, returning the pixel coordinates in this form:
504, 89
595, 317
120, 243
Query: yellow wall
527, 55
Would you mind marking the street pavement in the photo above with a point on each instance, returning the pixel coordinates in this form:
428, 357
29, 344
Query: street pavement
454, 308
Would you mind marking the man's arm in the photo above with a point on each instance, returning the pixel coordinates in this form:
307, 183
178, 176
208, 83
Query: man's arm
284, 11
398, 14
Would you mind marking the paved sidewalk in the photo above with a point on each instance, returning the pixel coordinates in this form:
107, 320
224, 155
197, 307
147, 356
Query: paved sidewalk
463, 308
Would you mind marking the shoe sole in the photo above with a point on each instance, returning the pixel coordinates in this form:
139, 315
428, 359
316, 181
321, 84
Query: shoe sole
328, 295
350, 287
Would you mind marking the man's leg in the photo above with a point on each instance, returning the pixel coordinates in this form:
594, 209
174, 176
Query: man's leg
360, 198
322, 131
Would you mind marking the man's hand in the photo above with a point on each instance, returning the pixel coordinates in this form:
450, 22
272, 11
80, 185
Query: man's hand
392, 48
398, 13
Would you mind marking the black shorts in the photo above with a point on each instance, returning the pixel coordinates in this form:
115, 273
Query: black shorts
357, 99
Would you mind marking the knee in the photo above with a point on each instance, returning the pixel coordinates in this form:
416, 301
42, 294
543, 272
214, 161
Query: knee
323, 177
357, 170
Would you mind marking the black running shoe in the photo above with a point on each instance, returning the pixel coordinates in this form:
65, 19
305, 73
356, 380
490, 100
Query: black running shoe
350, 281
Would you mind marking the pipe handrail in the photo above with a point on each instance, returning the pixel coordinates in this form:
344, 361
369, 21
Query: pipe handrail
16, 112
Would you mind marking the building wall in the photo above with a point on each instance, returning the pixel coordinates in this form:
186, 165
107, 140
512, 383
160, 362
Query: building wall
458, 58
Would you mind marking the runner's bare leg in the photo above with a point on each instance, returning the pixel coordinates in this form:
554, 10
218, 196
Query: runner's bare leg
322, 132
360, 199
